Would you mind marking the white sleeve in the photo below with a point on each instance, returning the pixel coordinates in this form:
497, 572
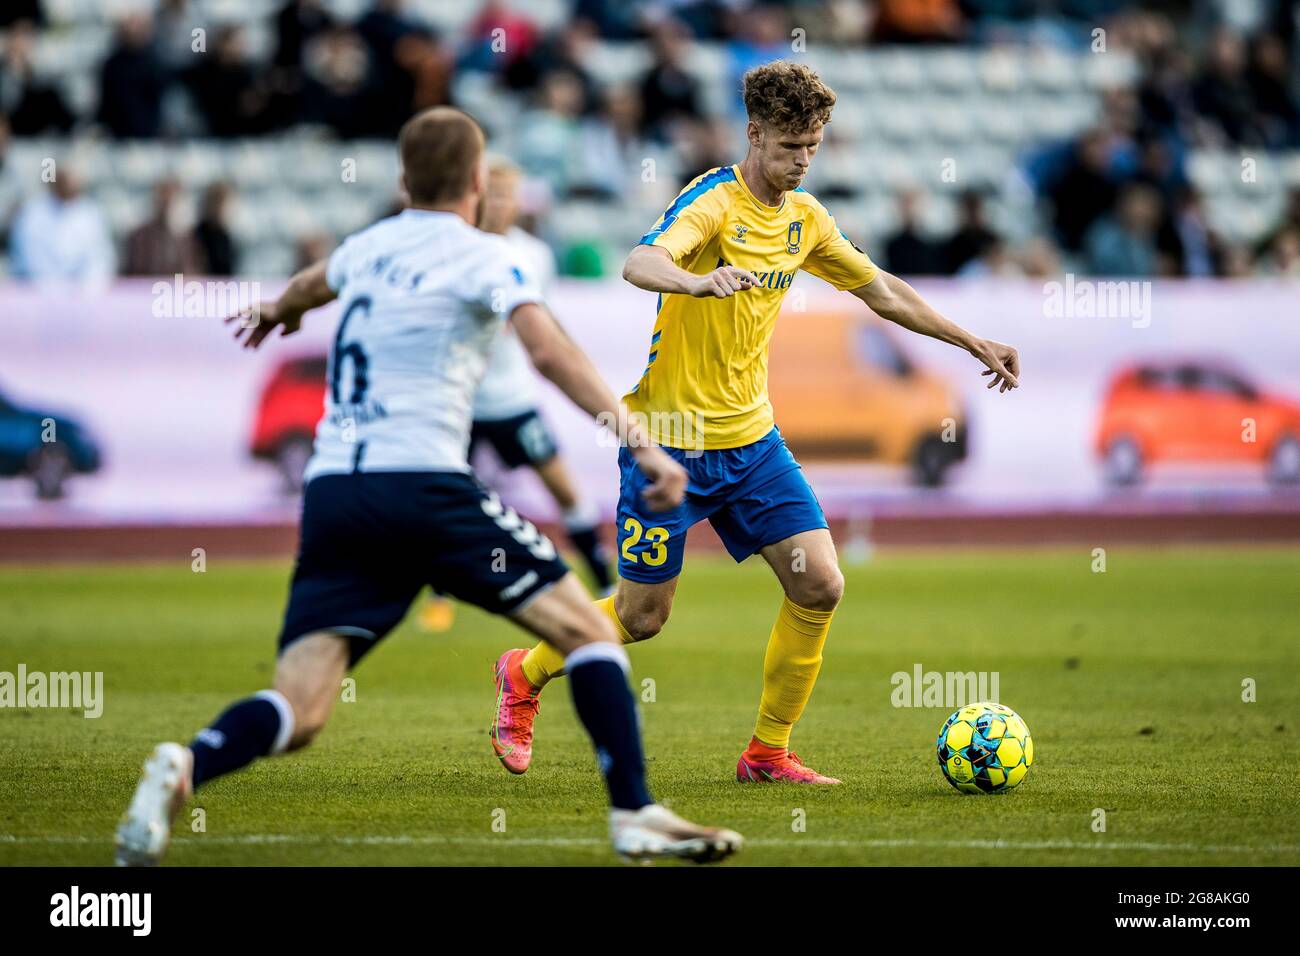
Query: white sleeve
336, 267
507, 283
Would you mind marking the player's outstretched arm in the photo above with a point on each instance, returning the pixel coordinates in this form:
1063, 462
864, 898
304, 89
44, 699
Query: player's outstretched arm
652, 268
307, 290
893, 299
562, 362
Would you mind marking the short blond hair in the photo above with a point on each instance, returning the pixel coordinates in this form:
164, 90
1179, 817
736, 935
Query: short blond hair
440, 149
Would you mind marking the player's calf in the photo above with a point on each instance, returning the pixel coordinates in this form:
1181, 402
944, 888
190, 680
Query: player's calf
270, 722
597, 666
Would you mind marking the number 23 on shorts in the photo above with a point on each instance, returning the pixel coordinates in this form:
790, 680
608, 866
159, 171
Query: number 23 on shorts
657, 538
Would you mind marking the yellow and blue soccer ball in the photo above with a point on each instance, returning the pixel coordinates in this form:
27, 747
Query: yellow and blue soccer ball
985, 748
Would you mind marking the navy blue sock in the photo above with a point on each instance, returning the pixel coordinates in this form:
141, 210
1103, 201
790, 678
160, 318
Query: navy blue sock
246, 730
587, 541
605, 707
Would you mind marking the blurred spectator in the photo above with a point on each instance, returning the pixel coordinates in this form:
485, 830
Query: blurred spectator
762, 35
337, 91
297, 22
669, 92
12, 185
428, 65
1268, 77
1291, 215
16, 11
973, 236
995, 260
549, 136
1164, 92
391, 37
173, 31
611, 19
1039, 258
498, 37
1124, 243
1084, 191
157, 247
702, 146
131, 82
225, 88
60, 234
34, 106
1222, 95
1283, 255
568, 50
907, 252
917, 21
612, 150
215, 247
1194, 249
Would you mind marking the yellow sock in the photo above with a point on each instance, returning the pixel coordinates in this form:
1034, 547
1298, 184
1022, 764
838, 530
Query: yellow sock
544, 662
794, 656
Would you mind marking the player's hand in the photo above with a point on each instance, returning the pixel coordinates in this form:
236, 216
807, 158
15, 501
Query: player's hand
722, 282
255, 323
1003, 363
667, 488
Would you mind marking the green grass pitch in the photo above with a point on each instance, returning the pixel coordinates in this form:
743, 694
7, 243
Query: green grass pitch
1130, 680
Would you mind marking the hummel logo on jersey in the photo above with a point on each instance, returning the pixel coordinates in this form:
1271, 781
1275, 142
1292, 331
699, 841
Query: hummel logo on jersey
740, 232
519, 528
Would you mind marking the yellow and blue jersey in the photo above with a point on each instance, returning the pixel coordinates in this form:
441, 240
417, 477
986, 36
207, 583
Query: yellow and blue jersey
708, 356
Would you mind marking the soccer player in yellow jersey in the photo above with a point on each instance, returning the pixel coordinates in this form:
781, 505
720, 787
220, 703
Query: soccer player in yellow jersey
721, 259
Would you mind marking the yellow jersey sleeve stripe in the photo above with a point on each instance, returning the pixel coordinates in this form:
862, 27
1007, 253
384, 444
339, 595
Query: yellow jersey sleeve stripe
688, 195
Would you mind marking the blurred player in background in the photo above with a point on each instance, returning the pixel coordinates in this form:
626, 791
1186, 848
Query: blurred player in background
391, 504
505, 405
721, 259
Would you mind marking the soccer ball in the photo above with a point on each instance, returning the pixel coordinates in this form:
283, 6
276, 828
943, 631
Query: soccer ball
985, 748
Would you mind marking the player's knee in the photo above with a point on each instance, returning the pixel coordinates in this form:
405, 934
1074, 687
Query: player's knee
643, 623
820, 591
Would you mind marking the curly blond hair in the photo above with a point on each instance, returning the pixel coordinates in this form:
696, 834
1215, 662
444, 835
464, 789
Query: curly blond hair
789, 96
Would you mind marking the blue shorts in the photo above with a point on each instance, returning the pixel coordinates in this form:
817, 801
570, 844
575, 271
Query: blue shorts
754, 495
370, 542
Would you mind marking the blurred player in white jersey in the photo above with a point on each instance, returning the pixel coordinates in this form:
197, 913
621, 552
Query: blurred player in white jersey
391, 506
506, 416
505, 406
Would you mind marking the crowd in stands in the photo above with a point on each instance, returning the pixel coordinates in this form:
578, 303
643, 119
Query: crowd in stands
1115, 200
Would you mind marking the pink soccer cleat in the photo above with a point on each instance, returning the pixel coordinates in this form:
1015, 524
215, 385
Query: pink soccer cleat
763, 764
517, 705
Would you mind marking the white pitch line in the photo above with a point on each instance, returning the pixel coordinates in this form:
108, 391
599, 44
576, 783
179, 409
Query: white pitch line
263, 839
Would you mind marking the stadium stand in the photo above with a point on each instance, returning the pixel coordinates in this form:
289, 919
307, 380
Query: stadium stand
1101, 138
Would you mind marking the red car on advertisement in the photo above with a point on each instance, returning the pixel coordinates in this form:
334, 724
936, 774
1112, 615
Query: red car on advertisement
290, 406
1195, 412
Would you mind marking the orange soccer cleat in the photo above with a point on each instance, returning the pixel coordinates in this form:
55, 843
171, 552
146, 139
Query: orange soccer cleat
517, 705
763, 764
